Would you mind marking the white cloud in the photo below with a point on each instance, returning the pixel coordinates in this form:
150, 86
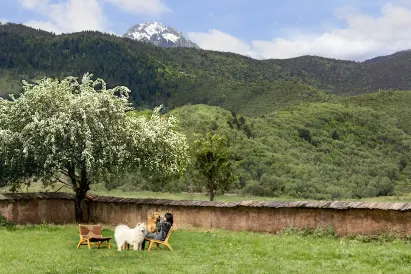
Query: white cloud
32, 4
76, 15
47, 26
3, 21
67, 16
150, 7
363, 37
218, 40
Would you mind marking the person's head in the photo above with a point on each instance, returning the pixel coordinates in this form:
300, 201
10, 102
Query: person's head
169, 218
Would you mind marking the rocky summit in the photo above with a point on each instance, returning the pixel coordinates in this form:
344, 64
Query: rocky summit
159, 35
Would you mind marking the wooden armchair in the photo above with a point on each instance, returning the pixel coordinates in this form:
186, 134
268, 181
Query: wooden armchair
92, 234
158, 242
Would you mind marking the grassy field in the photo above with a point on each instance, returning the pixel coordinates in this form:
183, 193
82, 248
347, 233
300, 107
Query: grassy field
99, 190
187, 196
232, 197
52, 249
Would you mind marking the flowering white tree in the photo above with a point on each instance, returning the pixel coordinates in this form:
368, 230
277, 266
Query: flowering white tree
71, 132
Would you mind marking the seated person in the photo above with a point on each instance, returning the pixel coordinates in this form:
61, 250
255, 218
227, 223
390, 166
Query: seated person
163, 226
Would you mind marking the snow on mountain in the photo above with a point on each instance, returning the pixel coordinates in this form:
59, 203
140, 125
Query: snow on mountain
159, 35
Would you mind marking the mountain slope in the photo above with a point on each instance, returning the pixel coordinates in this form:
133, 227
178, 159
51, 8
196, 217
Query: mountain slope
311, 151
155, 75
351, 78
179, 76
387, 57
159, 35
394, 103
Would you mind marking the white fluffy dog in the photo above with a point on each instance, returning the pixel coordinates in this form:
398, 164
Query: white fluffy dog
134, 236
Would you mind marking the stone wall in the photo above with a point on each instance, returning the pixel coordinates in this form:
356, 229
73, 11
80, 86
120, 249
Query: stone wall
343, 217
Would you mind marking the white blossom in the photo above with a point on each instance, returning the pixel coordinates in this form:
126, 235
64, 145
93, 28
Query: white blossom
85, 125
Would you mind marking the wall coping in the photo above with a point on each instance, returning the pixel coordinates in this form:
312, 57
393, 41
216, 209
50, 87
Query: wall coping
197, 203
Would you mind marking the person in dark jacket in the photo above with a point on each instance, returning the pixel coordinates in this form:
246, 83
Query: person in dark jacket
164, 225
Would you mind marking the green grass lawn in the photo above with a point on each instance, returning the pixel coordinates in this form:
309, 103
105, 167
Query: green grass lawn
186, 196
52, 249
232, 197
99, 190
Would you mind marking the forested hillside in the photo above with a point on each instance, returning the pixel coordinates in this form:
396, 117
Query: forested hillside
315, 151
395, 103
178, 76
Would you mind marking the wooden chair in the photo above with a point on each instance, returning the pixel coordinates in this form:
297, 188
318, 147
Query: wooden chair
158, 242
92, 234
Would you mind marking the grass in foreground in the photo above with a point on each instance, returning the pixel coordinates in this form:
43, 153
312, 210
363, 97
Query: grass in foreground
52, 249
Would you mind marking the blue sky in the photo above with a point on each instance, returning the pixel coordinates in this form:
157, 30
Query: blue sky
350, 29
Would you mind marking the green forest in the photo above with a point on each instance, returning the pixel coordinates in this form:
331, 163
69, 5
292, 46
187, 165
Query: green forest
307, 127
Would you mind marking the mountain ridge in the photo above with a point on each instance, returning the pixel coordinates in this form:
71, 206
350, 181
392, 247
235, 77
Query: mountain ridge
17, 27
178, 76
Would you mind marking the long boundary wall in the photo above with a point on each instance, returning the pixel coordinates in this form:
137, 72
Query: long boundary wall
343, 217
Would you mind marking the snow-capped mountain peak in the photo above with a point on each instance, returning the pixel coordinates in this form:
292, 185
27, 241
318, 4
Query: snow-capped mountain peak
158, 34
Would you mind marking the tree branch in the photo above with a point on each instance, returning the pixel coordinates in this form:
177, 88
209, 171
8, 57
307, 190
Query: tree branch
91, 177
60, 188
62, 171
61, 181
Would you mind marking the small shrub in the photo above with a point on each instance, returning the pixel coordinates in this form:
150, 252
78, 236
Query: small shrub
290, 230
6, 223
319, 232
377, 238
327, 232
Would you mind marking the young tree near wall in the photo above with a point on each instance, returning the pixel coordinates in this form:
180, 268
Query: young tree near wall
73, 133
213, 162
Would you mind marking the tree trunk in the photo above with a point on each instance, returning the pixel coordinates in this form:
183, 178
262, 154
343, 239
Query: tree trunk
79, 202
211, 194
80, 187
211, 188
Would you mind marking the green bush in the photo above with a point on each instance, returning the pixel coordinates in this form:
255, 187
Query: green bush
378, 238
255, 189
6, 223
318, 232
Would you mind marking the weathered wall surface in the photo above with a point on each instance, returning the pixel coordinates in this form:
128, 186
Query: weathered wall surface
343, 217
352, 221
38, 211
